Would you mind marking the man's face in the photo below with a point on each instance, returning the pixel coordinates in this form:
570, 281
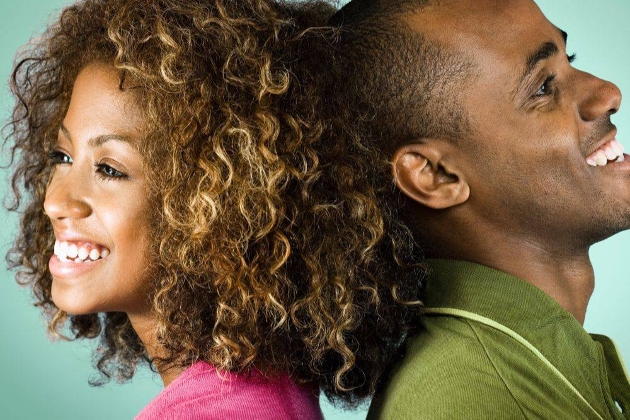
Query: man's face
538, 125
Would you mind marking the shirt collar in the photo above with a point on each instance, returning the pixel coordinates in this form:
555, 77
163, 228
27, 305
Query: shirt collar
526, 310
494, 294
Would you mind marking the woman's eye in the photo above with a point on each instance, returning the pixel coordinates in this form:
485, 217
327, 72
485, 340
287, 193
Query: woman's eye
57, 157
546, 88
109, 172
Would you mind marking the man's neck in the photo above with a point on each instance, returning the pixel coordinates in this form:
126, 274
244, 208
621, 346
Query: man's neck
565, 276
568, 282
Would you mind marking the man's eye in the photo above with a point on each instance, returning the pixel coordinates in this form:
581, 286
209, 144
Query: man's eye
547, 87
109, 172
57, 157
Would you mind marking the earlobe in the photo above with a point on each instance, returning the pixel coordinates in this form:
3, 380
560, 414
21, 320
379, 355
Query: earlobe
423, 174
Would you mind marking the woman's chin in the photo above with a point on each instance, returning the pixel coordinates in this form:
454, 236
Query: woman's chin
70, 303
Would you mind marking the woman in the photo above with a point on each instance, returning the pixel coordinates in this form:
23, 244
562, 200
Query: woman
174, 206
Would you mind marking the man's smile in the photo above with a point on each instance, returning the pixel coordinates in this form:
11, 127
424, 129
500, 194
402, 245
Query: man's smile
611, 151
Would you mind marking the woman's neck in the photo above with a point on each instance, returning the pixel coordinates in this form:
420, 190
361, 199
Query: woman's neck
146, 328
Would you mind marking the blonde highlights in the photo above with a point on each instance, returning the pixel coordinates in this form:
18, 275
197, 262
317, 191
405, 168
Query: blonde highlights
267, 252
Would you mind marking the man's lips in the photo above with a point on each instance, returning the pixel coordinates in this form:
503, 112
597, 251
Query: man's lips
611, 151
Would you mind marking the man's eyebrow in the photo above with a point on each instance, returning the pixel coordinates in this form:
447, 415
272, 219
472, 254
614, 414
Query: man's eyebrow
545, 51
98, 140
565, 36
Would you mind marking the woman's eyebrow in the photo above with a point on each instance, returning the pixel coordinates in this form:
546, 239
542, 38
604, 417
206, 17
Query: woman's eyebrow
98, 140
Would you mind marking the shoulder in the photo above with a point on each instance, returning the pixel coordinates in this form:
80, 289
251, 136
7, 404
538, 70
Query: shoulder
207, 394
446, 373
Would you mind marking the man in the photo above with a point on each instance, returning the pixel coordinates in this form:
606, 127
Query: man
510, 170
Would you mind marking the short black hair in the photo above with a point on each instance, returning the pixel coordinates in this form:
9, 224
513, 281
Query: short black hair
394, 78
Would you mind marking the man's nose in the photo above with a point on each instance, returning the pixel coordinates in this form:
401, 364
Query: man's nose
66, 198
602, 98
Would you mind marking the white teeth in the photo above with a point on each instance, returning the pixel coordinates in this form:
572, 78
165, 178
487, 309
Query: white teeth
600, 158
71, 252
612, 151
617, 147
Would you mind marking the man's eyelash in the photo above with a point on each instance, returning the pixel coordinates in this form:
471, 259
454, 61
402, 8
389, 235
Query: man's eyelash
547, 85
549, 81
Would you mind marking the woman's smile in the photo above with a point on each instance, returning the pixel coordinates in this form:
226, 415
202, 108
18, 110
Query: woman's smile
97, 200
74, 258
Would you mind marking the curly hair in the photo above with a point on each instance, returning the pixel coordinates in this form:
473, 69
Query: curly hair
374, 259
271, 246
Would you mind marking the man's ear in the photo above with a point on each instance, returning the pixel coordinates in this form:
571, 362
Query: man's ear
423, 174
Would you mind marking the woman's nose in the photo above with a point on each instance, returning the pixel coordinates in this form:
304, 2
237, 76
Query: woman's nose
66, 199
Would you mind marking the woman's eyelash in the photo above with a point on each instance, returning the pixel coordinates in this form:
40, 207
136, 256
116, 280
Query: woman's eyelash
104, 171
107, 172
57, 157
571, 58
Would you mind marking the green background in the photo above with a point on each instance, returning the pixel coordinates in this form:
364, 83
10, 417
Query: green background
41, 379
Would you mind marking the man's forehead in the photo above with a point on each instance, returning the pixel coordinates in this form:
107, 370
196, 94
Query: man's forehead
481, 24
491, 34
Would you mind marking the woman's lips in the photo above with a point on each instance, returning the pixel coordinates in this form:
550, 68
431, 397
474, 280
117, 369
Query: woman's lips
79, 251
69, 269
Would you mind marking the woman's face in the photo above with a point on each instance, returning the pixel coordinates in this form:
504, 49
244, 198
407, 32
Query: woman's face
97, 200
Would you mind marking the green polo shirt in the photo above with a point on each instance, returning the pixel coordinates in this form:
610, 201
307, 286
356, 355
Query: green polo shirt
496, 347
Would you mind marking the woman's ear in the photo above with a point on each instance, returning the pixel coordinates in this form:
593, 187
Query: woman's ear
423, 174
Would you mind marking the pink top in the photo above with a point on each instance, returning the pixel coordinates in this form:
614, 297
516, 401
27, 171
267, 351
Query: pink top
200, 392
